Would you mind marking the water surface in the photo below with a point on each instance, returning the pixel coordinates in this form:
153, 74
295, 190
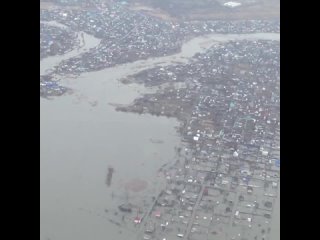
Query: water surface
82, 135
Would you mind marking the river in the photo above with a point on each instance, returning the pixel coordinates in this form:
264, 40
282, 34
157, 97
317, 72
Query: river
87, 41
82, 135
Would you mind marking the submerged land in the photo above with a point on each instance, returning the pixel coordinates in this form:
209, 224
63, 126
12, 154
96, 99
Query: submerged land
212, 69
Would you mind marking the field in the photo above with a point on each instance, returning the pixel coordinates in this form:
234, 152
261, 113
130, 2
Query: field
211, 9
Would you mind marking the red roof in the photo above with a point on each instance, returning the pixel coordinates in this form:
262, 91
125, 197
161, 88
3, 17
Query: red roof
157, 213
137, 219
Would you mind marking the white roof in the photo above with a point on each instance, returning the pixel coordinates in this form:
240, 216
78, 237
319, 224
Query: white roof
232, 4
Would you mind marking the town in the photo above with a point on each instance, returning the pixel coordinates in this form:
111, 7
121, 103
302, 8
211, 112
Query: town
126, 35
225, 179
225, 182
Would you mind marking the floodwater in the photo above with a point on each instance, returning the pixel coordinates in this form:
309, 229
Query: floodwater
47, 64
275, 224
82, 135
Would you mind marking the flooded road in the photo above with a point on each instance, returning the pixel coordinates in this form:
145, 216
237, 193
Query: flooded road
82, 135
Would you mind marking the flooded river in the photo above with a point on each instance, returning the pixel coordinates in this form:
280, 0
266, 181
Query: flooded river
86, 42
82, 135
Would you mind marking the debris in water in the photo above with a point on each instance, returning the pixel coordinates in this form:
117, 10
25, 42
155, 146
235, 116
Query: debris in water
109, 176
156, 141
114, 222
125, 208
93, 103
